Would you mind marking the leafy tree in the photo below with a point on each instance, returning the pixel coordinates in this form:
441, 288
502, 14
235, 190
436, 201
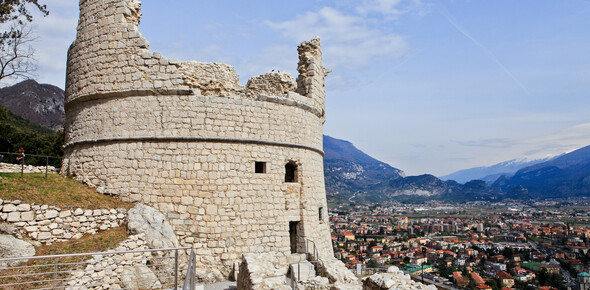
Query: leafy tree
372, 264
508, 252
493, 284
16, 52
11, 10
15, 133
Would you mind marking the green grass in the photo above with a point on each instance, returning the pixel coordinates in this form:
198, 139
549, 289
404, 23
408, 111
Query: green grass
56, 190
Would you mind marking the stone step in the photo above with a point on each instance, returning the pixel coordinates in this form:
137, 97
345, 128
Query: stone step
296, 258
302, 271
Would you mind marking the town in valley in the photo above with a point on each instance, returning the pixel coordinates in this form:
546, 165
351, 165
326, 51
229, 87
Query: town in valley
477, 245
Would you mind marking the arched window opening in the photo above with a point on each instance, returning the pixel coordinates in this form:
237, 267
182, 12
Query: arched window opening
291, 172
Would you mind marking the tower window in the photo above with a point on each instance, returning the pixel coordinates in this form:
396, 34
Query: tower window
321, 213
291, 172
259, 167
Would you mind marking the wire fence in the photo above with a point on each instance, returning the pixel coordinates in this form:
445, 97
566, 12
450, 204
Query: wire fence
138, 269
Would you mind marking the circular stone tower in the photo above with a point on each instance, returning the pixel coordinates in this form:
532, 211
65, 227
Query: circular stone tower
236, 169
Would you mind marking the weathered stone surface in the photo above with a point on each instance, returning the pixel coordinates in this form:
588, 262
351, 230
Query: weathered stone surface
13, 217
262, 271
8, 208
337, 272
11, 247
140, 277
23, 207
394, 279
147, 220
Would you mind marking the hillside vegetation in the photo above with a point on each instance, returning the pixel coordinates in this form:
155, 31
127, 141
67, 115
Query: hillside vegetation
16, 132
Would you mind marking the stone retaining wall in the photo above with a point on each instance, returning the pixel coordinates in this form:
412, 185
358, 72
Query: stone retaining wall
49, 224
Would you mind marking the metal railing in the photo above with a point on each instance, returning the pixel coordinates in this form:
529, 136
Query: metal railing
143, 269
38, 160
314, 256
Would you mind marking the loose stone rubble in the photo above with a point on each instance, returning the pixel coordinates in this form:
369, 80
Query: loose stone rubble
394, 279
49, 224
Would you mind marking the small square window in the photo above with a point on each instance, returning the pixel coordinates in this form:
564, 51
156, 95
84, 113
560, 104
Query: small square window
260, 167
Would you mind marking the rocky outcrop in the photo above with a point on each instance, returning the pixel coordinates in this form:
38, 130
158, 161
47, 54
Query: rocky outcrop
139, 277
394, 279
337, 273
11, 247
147, 220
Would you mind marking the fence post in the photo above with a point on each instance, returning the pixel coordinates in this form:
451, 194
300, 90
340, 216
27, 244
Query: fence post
22, 167
46, 165
175, 269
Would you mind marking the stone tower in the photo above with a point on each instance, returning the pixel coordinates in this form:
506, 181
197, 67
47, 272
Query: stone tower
236, 169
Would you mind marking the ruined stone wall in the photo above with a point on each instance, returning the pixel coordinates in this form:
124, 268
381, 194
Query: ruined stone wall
185, 137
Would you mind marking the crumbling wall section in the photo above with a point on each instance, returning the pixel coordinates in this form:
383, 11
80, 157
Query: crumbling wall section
311, 79
110, 55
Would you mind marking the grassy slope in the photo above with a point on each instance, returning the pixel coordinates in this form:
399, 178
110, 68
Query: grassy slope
65, 193
56, 190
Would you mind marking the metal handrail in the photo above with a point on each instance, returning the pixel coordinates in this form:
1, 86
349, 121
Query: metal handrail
93, 254
51, 270
315, 253
190, 279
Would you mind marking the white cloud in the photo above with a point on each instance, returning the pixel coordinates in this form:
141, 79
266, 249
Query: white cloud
348, 39
55, 34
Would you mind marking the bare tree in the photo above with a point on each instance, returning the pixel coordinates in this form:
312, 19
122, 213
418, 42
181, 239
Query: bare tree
16, 53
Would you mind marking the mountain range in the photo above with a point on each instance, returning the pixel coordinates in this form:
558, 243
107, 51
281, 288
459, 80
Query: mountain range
491, 173
350, 174
41, 104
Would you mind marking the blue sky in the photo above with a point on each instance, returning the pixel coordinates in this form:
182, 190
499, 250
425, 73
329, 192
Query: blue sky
426, 86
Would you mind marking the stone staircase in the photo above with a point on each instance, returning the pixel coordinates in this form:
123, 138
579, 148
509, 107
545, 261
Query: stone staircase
264, 271
302, 271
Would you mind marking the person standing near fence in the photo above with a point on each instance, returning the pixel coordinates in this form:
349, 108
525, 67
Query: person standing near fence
21, 157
